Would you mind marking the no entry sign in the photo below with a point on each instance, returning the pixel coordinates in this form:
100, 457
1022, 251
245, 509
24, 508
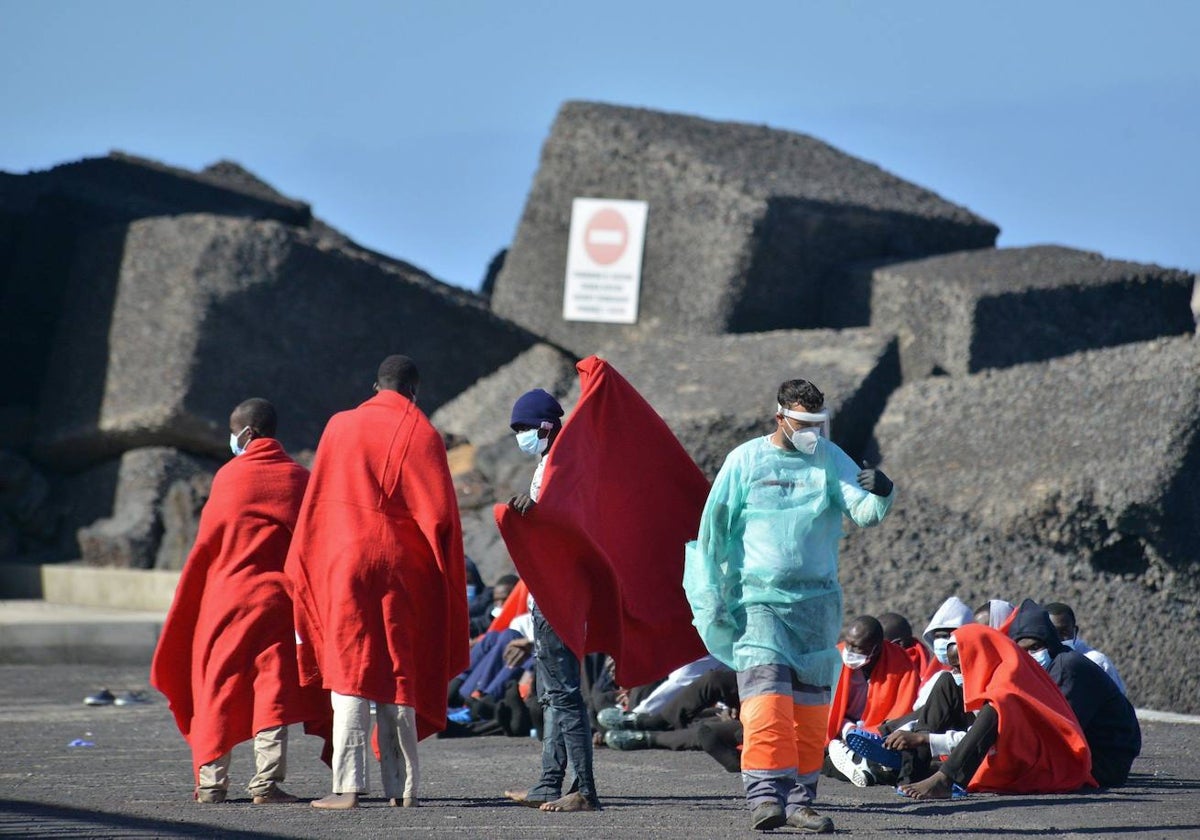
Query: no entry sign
604, 260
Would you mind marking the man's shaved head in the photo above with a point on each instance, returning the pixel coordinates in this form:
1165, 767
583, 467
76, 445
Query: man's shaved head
256, 413
895, 627
398, 373
864, 633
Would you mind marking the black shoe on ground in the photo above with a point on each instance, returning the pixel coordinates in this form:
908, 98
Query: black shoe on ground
806, 819
767, 817
103, 697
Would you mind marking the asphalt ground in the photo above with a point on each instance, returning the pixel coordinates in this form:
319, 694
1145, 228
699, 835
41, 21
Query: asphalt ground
136, 782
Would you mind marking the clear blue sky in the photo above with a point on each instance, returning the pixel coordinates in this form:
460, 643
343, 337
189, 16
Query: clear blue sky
416, 127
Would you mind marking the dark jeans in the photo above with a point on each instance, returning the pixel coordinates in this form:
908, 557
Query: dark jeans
567, 732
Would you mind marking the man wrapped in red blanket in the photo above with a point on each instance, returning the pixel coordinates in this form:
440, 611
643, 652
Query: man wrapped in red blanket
226, 659
380, 584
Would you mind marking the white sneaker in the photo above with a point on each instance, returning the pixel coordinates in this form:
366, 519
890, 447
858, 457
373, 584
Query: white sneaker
849, 764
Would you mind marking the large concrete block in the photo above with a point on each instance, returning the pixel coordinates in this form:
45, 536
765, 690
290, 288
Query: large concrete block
749, 228
961, 313
1096, 453
172, 321
43, 213
133, 535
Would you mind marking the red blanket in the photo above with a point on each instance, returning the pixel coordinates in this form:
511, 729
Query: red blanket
924, 661
1040, 746
226, 659
891, 691
377, 562
602, 552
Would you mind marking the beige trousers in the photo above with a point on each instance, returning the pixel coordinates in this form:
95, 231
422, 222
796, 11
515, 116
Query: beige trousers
270, 761
399, 769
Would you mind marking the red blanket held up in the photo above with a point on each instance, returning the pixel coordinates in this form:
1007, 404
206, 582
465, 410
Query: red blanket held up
602, 552
1040, 746
377, 562
891, 690
226, 659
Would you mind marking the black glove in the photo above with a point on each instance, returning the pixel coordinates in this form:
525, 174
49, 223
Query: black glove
874, 481
522, 504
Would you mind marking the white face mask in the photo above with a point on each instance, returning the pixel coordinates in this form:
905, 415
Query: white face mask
853, 660
804, 439
529, 442
1070, 642
235, 447
1042, 657
940, 647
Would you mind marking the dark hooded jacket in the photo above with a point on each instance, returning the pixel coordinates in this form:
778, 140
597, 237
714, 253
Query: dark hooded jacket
1107, 718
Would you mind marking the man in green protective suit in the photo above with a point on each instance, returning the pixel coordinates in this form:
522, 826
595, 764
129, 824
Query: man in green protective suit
762, 580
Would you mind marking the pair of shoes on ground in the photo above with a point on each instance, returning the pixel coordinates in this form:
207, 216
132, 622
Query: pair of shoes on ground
853, 767
770, 816
627, 739
870, 746
104, 697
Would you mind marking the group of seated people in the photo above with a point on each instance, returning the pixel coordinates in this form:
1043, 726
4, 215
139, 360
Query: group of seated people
997, 698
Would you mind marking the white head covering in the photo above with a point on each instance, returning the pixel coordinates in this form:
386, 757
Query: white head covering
998, 612
952, 614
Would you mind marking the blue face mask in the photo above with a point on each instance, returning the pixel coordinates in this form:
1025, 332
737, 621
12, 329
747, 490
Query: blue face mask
235, 447
1042, 657
529, 442
958, 678
940, 646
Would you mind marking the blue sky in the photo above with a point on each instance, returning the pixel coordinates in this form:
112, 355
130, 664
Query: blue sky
416, 127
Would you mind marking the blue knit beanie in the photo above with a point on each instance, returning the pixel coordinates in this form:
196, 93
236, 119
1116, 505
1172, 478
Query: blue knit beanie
535, 407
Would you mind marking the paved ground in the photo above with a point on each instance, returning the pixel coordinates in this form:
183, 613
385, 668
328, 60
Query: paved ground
136, 783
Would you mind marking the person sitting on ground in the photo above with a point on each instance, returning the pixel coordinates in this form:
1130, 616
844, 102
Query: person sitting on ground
1025, 738
1063, 619
993, 613
489, 603
713, 698
1107, 718
898, 631
878, 682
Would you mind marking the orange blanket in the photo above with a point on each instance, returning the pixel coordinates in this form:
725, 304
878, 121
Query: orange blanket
602, 552
226, 659
1040, 746
377, 562
891, 690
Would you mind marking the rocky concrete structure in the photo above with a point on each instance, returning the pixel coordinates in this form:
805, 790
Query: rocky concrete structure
171, 321
140, 527
964, 312
749, 228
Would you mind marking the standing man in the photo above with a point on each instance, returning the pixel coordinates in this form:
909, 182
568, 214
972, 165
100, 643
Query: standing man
762, 579
379, 580
226, 659
567, 731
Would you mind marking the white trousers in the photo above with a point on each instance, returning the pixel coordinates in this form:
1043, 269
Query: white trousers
397, 746
270, 762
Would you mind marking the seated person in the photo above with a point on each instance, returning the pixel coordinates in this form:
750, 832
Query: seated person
1107, 718
1063, 619
1025, 738
482, 614
653, 698
993, 613
897, 630
952, 614
878, 682
713, 698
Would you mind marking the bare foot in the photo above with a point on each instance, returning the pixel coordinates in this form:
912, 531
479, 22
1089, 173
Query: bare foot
337, 802
521, 797
936, 786
570, 803
406, 802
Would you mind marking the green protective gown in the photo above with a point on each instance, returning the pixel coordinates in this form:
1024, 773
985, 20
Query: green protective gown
762, 577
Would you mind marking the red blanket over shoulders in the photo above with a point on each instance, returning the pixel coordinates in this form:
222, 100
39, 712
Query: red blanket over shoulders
226, 659
377, 562
1040, 746
891, 690
602, 552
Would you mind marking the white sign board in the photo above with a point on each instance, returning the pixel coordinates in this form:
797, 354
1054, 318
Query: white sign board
604, 260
